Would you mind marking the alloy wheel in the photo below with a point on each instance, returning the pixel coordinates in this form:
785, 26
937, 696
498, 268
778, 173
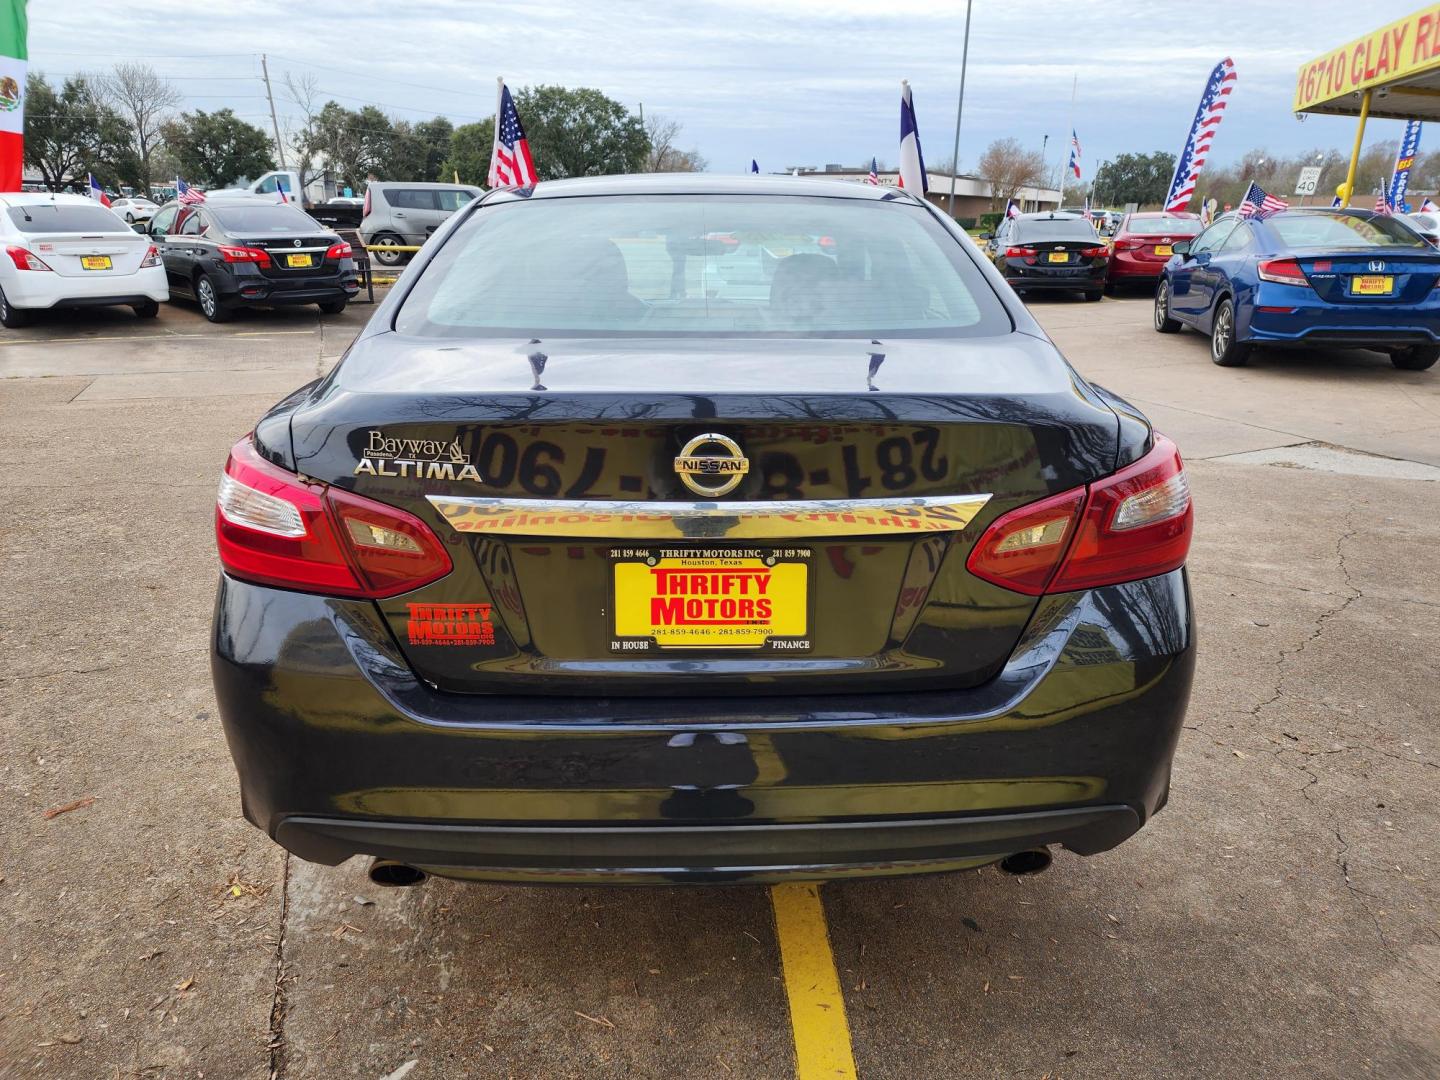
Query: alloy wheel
1162, 305
207, 297
1224, 326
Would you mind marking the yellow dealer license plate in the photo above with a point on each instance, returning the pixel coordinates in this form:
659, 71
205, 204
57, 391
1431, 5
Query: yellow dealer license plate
1372, 285
95, 262
296, 262
1059, 257
1164, 249
710, 598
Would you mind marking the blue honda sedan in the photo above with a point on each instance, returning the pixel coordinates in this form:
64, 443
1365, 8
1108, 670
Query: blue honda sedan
1348, 278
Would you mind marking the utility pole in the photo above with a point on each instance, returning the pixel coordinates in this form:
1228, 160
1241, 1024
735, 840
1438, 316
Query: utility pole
960, 108
279, 146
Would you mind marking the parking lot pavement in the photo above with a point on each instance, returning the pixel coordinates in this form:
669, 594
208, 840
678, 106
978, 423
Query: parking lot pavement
1278, 918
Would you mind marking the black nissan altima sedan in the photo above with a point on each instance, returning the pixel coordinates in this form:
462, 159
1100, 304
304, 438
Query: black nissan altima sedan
674, 528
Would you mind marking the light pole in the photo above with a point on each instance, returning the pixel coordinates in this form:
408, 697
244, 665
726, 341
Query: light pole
960, 108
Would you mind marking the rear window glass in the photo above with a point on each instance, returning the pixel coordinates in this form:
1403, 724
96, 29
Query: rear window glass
1343, 230
261, 219
411, 198
704, 265
54, 217
1163, 225
1054, 229
453, 200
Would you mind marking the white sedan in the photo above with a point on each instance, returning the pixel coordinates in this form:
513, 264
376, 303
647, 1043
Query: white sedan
66, 251
133, 210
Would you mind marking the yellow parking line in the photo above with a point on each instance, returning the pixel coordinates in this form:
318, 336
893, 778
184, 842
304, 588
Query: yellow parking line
143, 337
812, 985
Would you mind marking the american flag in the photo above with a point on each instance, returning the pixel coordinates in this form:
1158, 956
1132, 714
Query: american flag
874, 177
1429, 207
1202, 133
510, 164
1074, 154
1260, 203
1382, 205
186, 194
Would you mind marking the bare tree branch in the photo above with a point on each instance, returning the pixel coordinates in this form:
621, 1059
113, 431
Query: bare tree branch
145, 100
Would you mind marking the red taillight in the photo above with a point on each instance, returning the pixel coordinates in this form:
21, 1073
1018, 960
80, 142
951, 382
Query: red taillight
152, 257
1096, 252
244, 255
366, 209
25, 260
274, 528
1133, 524
1282, 272
1019, 253
339, 250
1129, 244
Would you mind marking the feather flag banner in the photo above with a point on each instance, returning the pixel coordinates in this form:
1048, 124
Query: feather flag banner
1202, 132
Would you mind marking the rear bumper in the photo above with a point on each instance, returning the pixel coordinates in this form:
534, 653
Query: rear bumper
1131, 267
67, 292
1356, 326
1039, 277
253, 287
341, 751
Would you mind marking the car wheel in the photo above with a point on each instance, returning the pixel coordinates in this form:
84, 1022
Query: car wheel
1094, 294
388, 258
209, 298
12, 318
1224, 349
332, 307
1163, 322
1415, 358
129, 219
148, 310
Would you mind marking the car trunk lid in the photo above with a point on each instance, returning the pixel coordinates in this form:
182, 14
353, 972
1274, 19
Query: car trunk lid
1372, 275
585, 564
90, 255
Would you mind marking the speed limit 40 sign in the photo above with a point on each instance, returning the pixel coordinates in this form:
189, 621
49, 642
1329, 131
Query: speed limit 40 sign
1309, 180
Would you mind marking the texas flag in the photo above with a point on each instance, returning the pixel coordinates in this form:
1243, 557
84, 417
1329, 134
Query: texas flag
96, 192
912, 161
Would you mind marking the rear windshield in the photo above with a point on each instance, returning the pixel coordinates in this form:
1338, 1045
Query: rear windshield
1055, 229
261, 219
679, 264
1343, 230
1163, 225
53, 217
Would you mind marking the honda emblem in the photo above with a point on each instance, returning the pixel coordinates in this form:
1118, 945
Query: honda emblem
1377, 266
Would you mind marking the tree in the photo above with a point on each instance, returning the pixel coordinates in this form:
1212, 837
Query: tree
469, 156
357, 143
304, 92
1007, 167
1137, 178
216, 149
417, 151
74, 132
144, 100
664, 155
580, 132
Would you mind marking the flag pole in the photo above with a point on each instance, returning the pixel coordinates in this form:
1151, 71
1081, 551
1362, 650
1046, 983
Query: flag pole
495, 145
960, 108
1071, 144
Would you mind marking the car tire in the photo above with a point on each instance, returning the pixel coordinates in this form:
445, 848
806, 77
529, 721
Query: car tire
1163, 322
1415, 358
332, 307
1224, 349
129, 219
208, 296
13, 318
1094, 294
148, 310
388, 258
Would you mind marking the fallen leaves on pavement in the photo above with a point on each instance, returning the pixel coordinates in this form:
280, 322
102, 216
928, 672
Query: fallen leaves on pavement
78, 804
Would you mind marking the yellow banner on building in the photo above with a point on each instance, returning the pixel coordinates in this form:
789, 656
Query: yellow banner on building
1405, 48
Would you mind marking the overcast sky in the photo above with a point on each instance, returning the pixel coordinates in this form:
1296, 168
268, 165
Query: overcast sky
784, 81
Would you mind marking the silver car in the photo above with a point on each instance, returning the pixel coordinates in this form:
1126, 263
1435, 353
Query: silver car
403, 215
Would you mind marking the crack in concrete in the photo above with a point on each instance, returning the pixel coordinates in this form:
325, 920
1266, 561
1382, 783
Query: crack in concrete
275, 1044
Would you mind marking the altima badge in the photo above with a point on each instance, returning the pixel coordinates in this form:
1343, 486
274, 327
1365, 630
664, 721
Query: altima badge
728, 467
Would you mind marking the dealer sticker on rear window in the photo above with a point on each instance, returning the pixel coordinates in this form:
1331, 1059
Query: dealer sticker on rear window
710, 598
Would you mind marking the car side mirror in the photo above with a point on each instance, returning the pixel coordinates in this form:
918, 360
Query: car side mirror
1181, 248
987, 236
142, 227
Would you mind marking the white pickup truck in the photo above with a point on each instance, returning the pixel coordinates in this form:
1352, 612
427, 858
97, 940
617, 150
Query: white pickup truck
282, 185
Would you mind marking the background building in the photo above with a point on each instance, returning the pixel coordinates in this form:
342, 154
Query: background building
972, 193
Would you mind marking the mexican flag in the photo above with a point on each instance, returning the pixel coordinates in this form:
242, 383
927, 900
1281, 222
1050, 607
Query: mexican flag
13, 29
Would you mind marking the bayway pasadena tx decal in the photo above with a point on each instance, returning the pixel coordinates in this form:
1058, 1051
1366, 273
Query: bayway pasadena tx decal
415, 459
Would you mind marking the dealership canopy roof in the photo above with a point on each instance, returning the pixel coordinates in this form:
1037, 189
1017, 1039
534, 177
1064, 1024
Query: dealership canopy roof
1398, 64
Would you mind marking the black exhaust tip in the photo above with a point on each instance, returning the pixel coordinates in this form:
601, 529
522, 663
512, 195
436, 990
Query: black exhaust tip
1026, 862
396, 875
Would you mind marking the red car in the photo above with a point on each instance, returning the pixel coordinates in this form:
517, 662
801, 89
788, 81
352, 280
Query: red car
1143, 242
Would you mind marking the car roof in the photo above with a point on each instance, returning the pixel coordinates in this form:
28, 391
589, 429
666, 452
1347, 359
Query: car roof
35, 198
424, 184
701, 184
1049, 215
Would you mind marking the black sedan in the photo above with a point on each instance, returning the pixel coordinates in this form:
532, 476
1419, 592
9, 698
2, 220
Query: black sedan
228, 253
593, 560
1050, 251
